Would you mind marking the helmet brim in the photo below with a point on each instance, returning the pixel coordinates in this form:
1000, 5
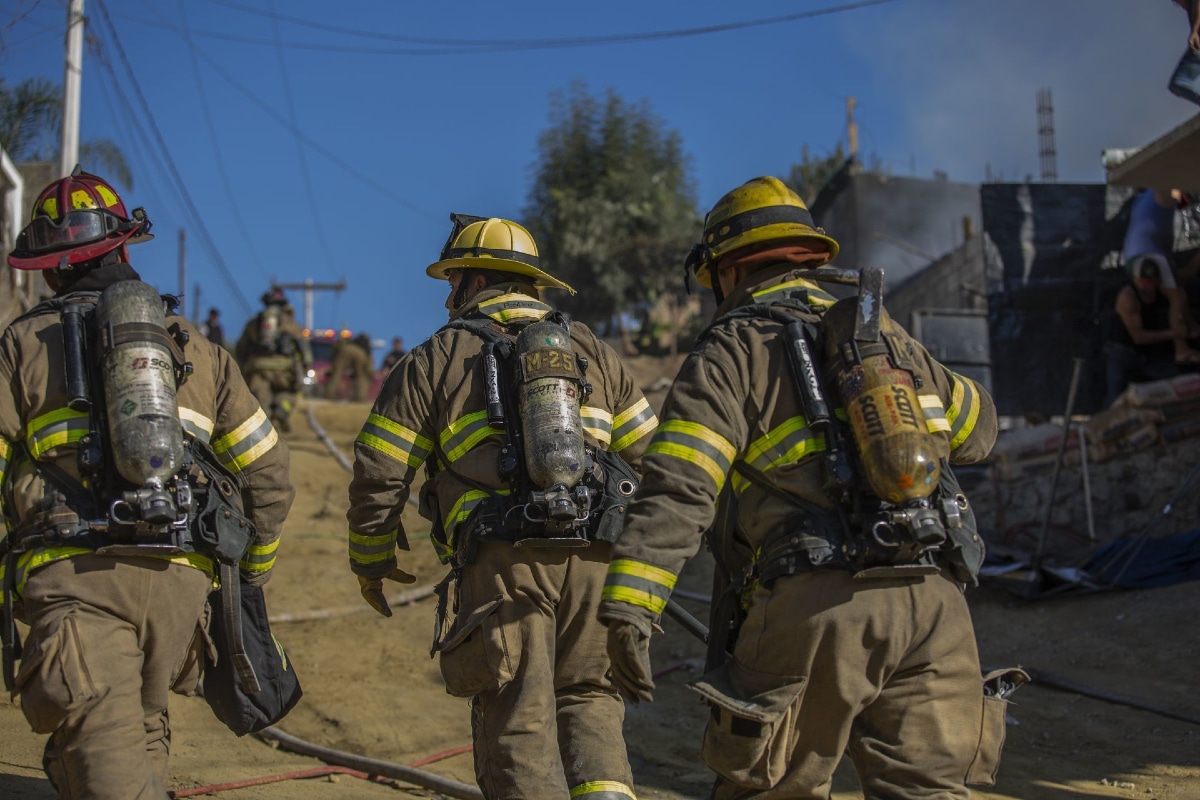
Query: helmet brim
76, 255
439, 270
778, 234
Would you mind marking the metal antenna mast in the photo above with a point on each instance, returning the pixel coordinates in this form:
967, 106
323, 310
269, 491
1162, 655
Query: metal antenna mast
1046, 154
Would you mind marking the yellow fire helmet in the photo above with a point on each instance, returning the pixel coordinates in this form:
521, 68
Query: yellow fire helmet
760, 210
494, 244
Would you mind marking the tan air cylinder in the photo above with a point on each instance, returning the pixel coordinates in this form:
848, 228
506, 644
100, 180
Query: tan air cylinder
550, 395
145, 435
897, 453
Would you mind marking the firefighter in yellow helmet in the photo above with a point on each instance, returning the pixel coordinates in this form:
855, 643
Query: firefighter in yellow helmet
115, 602
824, 640
529, 428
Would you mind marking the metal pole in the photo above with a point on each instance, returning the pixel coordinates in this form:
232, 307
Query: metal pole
308, 303
68, 155
1087, 485
182, 272
1062, 451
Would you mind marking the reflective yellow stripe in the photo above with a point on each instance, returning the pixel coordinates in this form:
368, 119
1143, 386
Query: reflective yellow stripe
701, 460
55, 429
626, 566
598, 423
602, 786
394, 440
634, 597
514, 307
935, 413
374, 558
963, 410
814, 296
246, 443
27, 563
5, 454
196, 423
371, 541
461, 435
641, 417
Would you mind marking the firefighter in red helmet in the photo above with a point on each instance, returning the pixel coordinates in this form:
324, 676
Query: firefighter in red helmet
115, 619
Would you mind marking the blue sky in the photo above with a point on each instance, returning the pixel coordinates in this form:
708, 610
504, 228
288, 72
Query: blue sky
940, 84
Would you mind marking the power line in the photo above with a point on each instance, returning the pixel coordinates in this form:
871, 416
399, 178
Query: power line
238, 218
475, 46
318, 225
316, 146
180, 185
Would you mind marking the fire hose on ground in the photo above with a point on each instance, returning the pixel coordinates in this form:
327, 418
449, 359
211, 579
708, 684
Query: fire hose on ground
311, 414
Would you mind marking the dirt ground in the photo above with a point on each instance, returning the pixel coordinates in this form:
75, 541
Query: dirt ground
371, 688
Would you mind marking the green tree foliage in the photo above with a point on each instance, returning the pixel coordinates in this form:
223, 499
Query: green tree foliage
613, 205
30, 119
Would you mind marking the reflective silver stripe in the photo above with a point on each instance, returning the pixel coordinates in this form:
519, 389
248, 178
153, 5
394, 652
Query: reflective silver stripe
598, 423
633, 423
246, 443
514, 307
462, 435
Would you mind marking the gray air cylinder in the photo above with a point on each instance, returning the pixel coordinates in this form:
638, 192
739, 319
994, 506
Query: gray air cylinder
146, 438
550, 394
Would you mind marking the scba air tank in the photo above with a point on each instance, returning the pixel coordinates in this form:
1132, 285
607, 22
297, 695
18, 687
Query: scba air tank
897, 452
550, 394
139, 384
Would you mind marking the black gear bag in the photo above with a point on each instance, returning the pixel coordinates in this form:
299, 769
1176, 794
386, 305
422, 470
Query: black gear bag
247, 701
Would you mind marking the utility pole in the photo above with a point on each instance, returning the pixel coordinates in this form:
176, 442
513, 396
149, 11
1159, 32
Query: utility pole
308, 287
851, 128
72, 80
183, 272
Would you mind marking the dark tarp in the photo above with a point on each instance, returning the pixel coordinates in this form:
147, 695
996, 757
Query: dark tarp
1141, 562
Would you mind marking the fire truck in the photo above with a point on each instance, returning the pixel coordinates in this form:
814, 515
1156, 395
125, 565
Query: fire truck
321, 342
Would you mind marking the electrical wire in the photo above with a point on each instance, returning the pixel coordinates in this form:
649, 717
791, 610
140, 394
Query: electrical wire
180, 186
308, 140
318, 225
473, 46
206, 110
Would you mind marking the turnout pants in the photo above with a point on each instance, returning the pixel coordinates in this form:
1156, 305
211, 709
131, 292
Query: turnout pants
109, 638
886, 670
527, 648
275, 391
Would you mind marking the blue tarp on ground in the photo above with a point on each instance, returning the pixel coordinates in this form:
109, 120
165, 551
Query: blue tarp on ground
1138, 562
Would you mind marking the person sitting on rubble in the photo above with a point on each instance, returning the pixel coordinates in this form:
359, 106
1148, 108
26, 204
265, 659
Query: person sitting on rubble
1151, 237
1141, 340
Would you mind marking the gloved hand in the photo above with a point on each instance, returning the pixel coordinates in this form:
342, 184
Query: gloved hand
629, 652
372, 589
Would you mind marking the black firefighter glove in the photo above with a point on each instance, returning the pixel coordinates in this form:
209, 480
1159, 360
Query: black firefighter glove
372, 589
629, 652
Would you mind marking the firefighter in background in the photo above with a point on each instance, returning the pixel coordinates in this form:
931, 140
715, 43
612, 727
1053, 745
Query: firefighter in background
110, 635
274, 356
823, 662
524, 644
351, 360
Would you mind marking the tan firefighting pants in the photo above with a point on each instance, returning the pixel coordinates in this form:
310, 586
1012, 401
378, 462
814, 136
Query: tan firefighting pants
887, 669
275, 391
108, 639
528, 649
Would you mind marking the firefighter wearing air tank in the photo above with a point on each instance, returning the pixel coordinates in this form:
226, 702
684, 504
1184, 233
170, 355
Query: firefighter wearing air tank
522, 419
108, 391
840, 625
274, 356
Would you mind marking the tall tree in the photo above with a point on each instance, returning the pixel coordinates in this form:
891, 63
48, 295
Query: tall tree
613, 205
30, 121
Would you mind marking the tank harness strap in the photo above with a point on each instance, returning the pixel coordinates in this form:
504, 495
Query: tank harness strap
140, 332
10, 639
231, 597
